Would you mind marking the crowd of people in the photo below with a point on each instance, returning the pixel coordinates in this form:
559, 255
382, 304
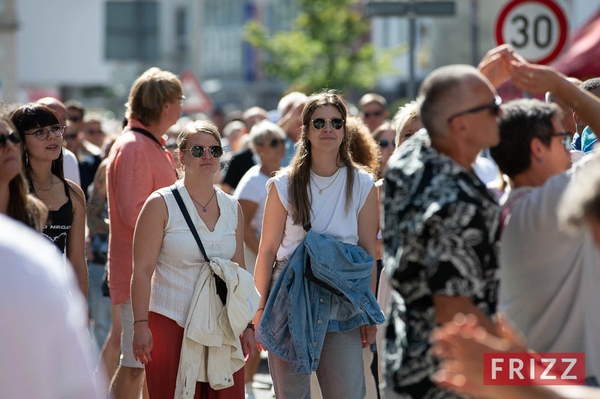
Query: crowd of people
368, 252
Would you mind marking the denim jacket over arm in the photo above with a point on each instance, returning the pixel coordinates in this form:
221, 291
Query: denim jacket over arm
298, 313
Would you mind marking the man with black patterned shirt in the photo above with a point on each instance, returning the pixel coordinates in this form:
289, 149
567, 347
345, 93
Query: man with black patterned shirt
440, 226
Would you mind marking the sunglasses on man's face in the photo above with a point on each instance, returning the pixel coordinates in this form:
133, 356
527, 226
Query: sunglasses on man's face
197, 151
275, 143
370, 114
335, 123
386, 143
12, 137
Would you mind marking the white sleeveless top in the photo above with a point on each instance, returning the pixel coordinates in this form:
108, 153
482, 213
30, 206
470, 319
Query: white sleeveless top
328, 209
180, 260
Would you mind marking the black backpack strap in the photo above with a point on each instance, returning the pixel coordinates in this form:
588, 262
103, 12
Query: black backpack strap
188, 219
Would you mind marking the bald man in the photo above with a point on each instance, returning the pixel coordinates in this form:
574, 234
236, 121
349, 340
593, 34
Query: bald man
440, 229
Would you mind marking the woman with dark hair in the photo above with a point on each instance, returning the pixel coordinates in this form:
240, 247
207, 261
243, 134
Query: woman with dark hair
15, 201
315, 269
41, 137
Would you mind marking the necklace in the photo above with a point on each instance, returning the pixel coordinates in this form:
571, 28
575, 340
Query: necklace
204, 206
329, 185
45, 189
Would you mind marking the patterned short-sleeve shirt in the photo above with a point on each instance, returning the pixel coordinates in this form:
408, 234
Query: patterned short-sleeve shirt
440, 237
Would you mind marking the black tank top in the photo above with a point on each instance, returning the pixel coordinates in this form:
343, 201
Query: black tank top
59, 222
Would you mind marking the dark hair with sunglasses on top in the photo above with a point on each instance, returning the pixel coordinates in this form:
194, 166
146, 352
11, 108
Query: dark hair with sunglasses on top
22, 206
521, 122
299, 175
30, 116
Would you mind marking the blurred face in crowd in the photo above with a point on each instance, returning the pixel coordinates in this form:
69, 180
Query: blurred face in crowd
373, 114
94, 133
10, 152
71, 138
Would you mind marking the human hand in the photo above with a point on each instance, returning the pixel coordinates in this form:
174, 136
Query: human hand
537, 79
249, 347
497, 64
461, 344
368, 335
143, 342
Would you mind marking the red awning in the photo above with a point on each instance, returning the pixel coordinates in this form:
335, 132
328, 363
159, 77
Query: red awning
581, 60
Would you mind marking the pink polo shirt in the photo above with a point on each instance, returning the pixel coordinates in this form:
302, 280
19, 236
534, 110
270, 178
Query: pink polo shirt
137, 166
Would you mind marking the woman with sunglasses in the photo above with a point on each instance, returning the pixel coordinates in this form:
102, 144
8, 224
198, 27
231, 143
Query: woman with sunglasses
167, 264
15, 200
322, 194
41, 137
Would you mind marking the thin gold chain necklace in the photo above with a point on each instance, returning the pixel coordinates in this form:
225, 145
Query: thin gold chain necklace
45, 189
204, 206
329, 185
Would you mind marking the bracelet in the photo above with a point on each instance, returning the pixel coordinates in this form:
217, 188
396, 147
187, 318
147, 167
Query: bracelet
260, 309
250, 326
140, 321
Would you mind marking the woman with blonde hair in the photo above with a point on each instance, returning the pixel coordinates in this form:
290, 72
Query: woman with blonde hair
173, 280
407, 121
315, 268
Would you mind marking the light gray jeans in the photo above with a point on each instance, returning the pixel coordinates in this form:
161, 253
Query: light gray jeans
340, 372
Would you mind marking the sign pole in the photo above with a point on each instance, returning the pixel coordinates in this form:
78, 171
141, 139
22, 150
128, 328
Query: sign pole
412, 44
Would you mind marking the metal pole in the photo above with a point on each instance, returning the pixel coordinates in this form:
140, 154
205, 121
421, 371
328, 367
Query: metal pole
412, 26
474, 32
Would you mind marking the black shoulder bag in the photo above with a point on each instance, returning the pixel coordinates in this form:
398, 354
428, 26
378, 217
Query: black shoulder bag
308, 273
219, 283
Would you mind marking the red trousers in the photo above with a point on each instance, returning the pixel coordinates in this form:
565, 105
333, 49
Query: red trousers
161, 372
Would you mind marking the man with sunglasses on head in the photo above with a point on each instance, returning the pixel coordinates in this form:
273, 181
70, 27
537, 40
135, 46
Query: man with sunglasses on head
373, 111
138, 164
440, 226
543, 269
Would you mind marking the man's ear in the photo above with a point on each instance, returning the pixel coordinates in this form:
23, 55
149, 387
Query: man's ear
537, 149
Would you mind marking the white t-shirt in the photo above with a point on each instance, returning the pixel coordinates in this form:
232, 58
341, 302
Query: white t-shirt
549, 278
485, 169
71, 166
253, 187
46, 349
328, 208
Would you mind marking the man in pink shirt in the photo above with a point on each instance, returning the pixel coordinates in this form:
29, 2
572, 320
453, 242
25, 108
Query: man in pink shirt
138, 165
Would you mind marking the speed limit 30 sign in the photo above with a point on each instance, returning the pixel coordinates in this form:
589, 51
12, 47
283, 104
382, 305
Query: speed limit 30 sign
537, 29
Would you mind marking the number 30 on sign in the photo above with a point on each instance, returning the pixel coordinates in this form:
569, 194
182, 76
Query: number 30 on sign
537, 29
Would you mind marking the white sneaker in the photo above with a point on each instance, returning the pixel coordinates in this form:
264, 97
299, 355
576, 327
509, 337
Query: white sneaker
249, 390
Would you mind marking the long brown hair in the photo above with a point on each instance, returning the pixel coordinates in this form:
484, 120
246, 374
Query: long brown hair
23, 206
299, 177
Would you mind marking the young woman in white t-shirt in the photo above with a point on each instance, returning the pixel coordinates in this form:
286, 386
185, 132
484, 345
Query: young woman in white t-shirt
325, 188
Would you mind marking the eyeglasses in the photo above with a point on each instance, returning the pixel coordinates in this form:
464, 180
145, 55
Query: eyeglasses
42, 133
197, 151
370, 114
494, 106
74, 118
566, 139
12, 137
386, 143
275, 143
182, 100
94, 131
71, 136
335, 123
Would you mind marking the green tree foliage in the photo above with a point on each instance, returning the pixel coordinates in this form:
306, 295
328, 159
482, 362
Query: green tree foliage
326, 48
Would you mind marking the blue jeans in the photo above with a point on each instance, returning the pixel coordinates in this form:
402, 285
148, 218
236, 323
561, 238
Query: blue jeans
98, 303
340, 371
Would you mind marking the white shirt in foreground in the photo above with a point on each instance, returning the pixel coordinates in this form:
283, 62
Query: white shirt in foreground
46, 350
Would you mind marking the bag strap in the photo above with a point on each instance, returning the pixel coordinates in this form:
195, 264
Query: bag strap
188, 219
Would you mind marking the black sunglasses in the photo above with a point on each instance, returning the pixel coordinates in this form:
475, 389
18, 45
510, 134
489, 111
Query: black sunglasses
494, 106
275, 143
12, 136
566, 139
335, 123
386, 143
370, 114
215, 151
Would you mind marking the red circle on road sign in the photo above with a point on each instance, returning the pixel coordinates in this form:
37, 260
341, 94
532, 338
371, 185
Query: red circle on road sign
554, 8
